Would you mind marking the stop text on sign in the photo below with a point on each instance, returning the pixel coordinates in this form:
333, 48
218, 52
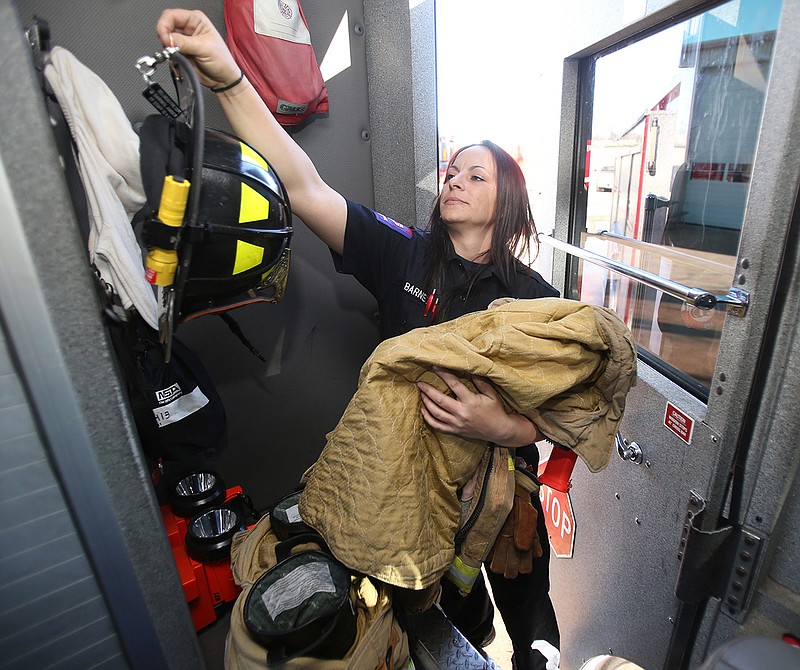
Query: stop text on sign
559, 519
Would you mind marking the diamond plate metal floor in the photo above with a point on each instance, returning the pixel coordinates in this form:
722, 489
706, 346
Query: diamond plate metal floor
437, 645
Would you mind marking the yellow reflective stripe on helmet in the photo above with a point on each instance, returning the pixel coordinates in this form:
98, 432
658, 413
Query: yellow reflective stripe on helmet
247, 256
252, 205
462, 575
250, 156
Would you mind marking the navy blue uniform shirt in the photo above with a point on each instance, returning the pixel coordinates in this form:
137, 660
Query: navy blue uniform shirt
392, 262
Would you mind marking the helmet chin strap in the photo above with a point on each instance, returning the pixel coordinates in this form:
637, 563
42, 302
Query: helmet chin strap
168, 261
183, 74
168, 267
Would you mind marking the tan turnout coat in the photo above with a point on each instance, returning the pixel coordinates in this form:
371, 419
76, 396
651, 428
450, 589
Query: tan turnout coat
384, 492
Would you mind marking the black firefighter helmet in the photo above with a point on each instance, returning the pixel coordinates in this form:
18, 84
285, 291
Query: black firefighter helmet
233, 248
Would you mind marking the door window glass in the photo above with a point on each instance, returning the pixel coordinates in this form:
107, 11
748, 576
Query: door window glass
675, 122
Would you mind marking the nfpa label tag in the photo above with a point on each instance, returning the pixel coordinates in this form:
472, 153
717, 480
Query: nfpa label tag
679, 423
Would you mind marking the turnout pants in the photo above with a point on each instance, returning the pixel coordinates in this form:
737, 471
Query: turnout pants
524, 604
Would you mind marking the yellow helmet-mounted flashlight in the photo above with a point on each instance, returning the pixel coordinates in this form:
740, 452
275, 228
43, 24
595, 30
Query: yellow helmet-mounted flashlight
162, 263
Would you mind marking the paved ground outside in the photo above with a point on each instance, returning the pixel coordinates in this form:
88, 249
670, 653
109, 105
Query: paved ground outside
500, 650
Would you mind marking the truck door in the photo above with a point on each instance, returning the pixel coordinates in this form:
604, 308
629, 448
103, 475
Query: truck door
696, 108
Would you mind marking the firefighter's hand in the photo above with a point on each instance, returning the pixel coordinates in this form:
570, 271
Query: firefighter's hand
518, 542
197, 38
479, 415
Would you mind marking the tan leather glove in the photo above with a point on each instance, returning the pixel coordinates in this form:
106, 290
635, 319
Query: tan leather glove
518, 542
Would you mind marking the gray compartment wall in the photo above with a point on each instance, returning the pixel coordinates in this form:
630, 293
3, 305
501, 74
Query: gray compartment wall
43, 559
87, 578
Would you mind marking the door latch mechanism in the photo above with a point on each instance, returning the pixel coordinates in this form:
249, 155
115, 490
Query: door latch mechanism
629, 451
718, 562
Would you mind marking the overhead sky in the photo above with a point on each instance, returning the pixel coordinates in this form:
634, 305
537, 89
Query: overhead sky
488, 57
499, 63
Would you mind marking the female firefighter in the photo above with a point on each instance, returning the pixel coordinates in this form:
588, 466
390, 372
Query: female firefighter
461, 263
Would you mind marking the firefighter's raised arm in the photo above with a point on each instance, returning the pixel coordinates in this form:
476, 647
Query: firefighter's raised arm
320, 207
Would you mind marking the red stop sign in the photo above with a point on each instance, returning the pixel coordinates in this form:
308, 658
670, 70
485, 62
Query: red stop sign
559, 518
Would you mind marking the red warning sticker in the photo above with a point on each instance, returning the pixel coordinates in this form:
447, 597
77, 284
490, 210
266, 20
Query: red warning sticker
679, 423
